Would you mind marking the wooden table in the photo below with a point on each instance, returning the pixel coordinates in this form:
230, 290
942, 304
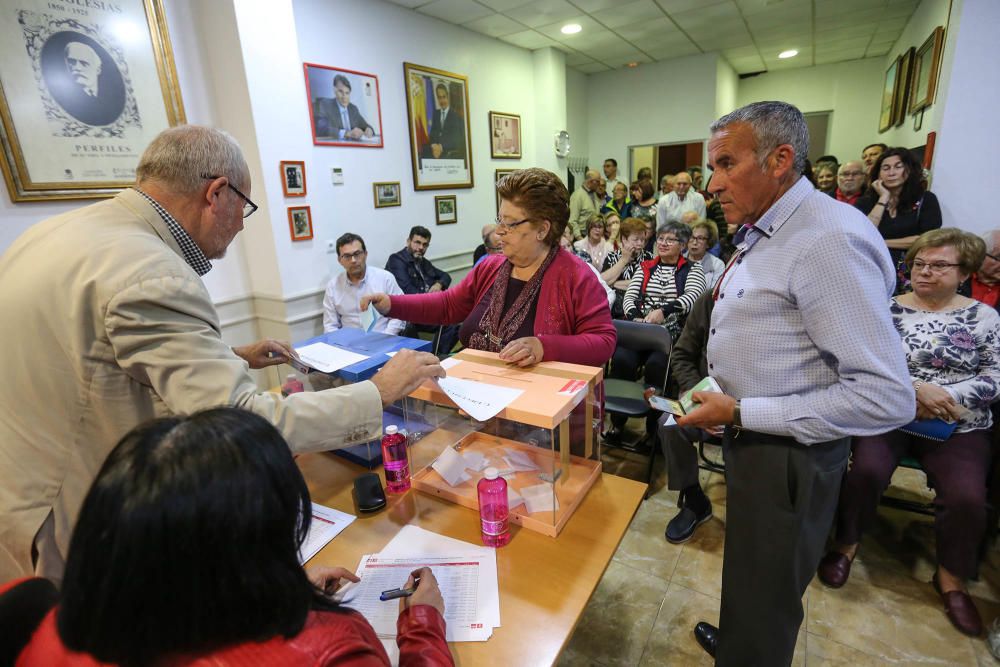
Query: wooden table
545, 582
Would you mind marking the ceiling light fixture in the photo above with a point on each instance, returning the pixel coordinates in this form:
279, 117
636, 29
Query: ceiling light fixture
632, 64
790, 53
571, 29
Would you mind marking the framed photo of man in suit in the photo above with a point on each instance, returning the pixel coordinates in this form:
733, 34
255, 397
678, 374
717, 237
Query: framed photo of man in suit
344, 107
437, 106
80, 96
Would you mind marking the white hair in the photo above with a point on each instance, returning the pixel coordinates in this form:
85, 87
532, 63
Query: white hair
182, 157
773, 124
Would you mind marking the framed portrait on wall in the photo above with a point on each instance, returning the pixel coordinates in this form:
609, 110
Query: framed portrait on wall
84, 88
344, 107
903, 76
505, 136
500, 173
293, 178
386, 194
887, 114
437, 107
300, 223
445, 209
926, 62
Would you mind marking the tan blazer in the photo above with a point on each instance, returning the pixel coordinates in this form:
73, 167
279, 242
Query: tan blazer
104, 326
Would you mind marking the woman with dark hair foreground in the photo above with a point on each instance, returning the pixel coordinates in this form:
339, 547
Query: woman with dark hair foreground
187, 552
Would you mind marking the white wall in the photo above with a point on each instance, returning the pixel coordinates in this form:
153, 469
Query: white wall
849, 89
662, 103
578, 116
727, 85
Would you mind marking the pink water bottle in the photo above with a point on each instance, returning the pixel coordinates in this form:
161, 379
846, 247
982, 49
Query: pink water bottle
493, 510
292, 385
397, 466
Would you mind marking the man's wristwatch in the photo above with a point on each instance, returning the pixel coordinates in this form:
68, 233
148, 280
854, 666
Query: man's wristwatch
737, 419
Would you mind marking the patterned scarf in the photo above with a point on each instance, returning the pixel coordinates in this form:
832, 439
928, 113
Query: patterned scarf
497, 328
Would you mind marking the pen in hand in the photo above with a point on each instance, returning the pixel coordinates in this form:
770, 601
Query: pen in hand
396, 593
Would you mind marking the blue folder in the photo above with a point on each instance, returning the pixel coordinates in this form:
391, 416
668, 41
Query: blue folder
932, 429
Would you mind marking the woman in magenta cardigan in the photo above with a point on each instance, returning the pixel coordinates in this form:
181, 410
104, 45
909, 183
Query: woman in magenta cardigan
536, 302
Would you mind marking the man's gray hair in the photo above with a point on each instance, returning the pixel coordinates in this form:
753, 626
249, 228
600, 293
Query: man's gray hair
773, 124
180, 157
992, 240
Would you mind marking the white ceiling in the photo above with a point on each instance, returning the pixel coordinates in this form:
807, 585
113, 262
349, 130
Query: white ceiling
748, 33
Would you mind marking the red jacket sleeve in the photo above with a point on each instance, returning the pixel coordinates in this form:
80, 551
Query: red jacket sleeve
592, 339
452, 305
420, 635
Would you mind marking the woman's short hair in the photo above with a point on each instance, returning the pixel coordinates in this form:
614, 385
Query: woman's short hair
678, 229
826, 166
971, 248
913, 186
542, 196
631, 227
710, 227
645, 187
593, 221
189, 540
611, 214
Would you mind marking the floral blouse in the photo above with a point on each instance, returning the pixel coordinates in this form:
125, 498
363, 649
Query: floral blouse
958, 350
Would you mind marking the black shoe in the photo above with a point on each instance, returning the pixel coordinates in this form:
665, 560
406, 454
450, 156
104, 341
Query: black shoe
707, 636
694, 512
613, 436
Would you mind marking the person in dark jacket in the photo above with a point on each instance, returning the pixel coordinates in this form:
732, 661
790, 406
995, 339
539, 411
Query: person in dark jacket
415, 274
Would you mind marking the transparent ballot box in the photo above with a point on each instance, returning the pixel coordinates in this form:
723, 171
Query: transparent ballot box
544, 442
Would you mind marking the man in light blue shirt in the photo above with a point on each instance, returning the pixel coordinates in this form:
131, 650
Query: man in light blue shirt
342, 302
802, 343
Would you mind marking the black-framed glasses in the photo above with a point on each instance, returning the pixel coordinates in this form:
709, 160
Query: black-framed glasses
993, 257
937, 267
703, 239
248, 207
349, 257
504, 227
667, 240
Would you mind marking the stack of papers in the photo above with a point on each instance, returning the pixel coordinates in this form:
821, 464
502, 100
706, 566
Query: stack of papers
326, 524
466, 574
327, 358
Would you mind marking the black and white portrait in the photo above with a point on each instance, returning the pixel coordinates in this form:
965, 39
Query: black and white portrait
82, 78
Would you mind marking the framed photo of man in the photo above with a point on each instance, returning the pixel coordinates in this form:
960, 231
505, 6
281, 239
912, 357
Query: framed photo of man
344, 107
84, 88
505, 136
386, 194
300, 223
445, 209
293, 178
437, 106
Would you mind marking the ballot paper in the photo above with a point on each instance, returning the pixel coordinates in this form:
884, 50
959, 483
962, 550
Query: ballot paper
326, 524
450, 362
369, 317
539, 498
475, 460
519, 461
513, 498
451, 466
482, 401
327, 358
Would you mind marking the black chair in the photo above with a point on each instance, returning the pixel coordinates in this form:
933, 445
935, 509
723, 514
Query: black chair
22, 609
626, 397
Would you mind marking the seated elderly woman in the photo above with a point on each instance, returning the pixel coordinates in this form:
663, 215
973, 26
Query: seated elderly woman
593, 242
534, 303
704, 236
187, 552
620, 265
660, 294
951, 345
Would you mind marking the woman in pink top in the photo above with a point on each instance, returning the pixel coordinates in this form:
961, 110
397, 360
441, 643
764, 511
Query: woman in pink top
535, 302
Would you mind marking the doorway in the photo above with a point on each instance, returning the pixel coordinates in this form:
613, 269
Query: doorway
819, 127
663, 159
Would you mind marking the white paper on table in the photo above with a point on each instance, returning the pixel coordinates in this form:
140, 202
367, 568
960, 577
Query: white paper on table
540, 498
391, 650
368, 317
416, 540
475, 460
519, 461
482, 401
390, 354
451, 466
326, 524
328, 358
466, 619
450, 362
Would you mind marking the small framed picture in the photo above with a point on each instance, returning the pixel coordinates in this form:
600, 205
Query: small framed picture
300, 223
445, 209
386, 194
293, 178
505, 136
500, 173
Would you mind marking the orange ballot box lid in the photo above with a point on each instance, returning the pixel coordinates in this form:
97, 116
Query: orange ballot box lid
549, 391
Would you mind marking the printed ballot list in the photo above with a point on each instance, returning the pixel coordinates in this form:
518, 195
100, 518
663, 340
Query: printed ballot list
458, 579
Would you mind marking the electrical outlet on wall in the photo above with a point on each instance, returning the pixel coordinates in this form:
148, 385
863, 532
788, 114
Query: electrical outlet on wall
331, 246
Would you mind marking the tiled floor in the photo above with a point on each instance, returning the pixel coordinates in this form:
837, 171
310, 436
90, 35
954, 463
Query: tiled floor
653, 592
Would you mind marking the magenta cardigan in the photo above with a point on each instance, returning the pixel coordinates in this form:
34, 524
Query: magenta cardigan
572, 320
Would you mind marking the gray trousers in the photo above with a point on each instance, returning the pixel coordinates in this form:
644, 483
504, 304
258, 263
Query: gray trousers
680, 454
781, 498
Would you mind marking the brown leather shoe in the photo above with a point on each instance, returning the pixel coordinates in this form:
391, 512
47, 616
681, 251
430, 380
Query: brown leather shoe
834, 569
961, 610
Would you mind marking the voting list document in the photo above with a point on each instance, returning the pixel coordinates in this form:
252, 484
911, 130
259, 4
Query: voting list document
326, 524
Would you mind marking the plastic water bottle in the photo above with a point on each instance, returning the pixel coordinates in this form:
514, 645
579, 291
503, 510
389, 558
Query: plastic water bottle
493, 511
292, 385
397, 466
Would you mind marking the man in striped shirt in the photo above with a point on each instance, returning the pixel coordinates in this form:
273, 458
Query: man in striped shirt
803, 345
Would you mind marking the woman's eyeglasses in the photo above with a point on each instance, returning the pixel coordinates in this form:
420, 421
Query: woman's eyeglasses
935, 267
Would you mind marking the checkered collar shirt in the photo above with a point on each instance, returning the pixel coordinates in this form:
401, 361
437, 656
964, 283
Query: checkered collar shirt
189, 249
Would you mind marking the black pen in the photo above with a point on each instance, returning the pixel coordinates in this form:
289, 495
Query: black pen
396, 593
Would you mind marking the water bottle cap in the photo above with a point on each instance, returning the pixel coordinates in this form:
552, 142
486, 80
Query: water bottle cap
491, 473
389, 430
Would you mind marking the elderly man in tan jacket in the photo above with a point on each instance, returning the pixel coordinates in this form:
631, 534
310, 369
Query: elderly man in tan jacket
107, 323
